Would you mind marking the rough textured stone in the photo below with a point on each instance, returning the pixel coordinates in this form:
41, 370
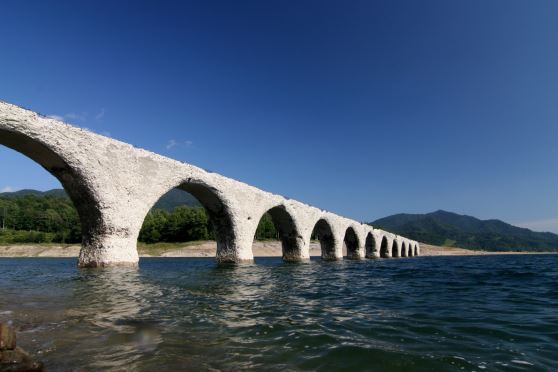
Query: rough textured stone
114, 185
7, 337
18, 361
12, 358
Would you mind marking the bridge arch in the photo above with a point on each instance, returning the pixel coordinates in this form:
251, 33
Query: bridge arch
395, 248
323, 231
218, 213
288, 231
403, 249
385, 248
74, 182
352, 243
370, 246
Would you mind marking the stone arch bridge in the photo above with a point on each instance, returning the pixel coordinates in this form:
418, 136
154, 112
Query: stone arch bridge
113, 185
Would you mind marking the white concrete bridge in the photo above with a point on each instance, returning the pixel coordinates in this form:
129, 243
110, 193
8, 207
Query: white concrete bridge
113, 185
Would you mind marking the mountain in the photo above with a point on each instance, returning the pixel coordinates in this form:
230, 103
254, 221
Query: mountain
451, 229
58, 193
169, 201
174, 198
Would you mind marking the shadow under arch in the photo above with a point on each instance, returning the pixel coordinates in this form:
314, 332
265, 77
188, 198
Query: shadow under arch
352, 243
403, 250
394, 249
73, 181
323, 232
287, 230
416, 250
370, 246
384, 248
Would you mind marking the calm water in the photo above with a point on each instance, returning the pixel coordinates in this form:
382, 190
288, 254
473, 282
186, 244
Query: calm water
414, 314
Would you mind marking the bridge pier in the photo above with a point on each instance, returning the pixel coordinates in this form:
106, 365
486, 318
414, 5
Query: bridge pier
296, 250
237, 252
385, 247
110, 239
356, 255
107, 250
332, 250
372, 245
353, 243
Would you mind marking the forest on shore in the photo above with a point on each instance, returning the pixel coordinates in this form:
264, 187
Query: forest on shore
32, 218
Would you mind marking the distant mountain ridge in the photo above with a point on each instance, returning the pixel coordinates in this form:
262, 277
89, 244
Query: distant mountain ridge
168, 202
21, 193
451, 229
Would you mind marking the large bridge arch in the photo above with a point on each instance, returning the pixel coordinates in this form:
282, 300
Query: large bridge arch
417, 249
217, 207
324, 232
395, 249
403, 249
95, 228
370, 246
352, 243
385, 247
74, 182
292, 242
412, 249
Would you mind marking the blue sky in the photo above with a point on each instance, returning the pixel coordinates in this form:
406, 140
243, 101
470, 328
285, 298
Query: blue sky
364, 108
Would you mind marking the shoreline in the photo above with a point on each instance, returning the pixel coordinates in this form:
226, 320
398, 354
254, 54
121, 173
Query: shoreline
428, 250
208, 249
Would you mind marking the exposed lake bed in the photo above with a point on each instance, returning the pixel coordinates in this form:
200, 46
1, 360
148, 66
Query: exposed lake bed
423, 313
270, 248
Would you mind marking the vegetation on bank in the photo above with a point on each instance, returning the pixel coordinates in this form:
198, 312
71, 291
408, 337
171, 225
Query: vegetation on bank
34, 218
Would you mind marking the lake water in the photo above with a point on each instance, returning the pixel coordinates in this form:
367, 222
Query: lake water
415, 314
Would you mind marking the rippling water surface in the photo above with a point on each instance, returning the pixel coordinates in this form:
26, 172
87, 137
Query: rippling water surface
425, 313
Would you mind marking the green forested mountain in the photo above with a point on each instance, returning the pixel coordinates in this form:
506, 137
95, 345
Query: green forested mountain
450, 229
175, 198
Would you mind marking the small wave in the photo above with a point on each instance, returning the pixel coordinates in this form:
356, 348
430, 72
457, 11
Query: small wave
517, 361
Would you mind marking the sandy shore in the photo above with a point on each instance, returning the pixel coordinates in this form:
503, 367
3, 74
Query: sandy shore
198, 249
29, 250
208, 249
434, 250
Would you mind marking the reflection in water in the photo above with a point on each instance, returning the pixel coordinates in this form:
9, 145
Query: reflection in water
113, 304
380, 314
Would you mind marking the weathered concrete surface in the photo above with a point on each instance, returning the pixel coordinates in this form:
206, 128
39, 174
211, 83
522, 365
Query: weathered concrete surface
114, 185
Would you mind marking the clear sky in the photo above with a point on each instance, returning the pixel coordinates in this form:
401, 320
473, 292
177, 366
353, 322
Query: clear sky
364, 108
